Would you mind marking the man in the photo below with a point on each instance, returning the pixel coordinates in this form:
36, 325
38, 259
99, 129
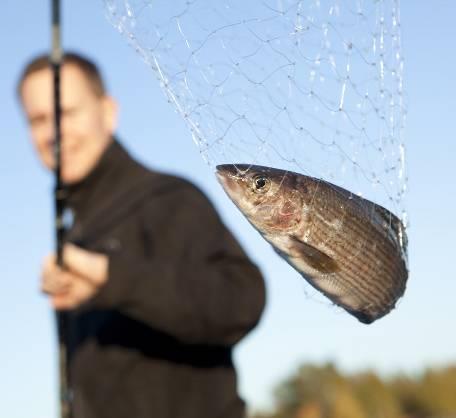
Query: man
156, 288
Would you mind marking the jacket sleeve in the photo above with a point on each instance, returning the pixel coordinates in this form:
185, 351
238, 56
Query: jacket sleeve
200, 287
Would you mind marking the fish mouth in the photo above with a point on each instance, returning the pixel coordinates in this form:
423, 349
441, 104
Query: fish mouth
232, 170
231, 177
224, 170
226, 175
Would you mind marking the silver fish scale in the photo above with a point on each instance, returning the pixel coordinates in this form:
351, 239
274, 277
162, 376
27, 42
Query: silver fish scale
374, 274
347, 247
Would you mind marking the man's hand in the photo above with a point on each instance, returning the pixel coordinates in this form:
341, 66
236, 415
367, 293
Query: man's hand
81, 278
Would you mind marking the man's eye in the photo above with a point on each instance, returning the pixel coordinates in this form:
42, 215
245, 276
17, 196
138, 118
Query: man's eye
37, 121
70, 112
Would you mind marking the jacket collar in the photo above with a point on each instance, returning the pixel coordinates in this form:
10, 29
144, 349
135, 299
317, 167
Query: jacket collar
110, 172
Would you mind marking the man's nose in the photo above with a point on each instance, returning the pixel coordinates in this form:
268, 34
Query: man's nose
67, 124
46, 132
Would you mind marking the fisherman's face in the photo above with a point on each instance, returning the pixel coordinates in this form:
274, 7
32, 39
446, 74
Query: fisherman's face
87, 122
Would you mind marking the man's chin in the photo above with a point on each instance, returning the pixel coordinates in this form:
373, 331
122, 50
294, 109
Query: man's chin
70, 177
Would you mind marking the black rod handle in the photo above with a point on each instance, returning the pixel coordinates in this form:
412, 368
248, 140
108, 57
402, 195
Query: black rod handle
59, 199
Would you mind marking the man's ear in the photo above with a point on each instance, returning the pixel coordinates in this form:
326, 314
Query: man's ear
110, 112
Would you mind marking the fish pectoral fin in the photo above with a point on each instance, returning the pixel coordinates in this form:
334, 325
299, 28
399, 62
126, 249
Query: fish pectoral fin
314, 257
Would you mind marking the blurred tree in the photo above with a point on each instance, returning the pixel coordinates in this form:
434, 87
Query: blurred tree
345, 405
406, 391
310, 384
310, 410
438, 392
317, 392
377, 398
323, 392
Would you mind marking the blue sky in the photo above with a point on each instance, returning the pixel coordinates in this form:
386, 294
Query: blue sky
294, 328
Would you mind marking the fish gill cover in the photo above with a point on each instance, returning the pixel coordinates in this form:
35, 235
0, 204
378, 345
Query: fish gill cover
314, 87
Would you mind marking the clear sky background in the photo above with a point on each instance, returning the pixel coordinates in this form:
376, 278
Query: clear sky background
295, 328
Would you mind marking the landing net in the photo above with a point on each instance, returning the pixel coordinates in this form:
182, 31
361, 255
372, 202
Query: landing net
311, 86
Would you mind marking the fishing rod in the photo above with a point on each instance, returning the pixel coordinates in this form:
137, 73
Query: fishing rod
59, 199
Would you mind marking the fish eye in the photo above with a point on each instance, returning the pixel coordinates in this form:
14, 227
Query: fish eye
261, 184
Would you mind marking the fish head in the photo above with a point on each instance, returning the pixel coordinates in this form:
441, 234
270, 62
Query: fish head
268, 197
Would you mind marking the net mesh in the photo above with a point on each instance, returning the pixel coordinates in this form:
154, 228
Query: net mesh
311, 86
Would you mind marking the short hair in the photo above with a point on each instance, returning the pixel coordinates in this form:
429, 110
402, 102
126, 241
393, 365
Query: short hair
88, 68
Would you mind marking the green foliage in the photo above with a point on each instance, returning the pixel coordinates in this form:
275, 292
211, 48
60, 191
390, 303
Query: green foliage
433, 394
323, 392
376, 396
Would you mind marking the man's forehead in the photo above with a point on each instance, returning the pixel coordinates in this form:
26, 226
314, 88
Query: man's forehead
38, 90
38, 80
70, 73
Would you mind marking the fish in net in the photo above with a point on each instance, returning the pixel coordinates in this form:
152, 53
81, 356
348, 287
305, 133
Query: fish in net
309, 92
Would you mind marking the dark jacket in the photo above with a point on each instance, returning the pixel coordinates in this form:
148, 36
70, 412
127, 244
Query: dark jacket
156, 341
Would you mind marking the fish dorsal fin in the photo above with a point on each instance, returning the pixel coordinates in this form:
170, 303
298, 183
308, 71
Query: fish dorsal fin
314, 257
